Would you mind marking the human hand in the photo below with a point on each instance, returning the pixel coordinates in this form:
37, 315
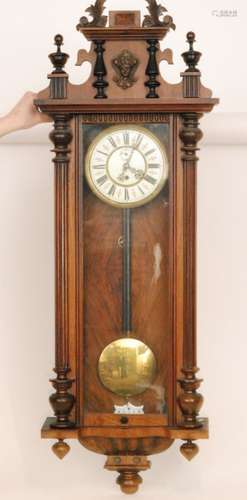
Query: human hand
23, 116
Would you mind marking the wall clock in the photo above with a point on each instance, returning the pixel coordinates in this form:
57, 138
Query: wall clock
125, 145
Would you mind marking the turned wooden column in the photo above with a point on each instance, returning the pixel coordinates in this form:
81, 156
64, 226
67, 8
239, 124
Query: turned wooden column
100, 70
190, 401
152, 70
61, 401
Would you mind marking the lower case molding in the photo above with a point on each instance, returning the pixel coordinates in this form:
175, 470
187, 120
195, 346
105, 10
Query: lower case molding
47, 432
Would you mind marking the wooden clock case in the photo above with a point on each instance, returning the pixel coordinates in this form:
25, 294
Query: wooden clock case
82, 407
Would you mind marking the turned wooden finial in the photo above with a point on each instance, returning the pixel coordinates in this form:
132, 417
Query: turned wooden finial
191, 57
58, 78
60, 449
189, 450
129, 482
58, 58
128, 467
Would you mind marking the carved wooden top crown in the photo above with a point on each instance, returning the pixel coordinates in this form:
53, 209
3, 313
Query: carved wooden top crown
125, 57
120, 20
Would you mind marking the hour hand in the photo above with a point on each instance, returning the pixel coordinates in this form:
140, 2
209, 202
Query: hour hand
138, 172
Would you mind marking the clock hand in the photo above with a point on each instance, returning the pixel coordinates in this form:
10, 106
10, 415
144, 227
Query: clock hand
130, 156
137, 171
127, 312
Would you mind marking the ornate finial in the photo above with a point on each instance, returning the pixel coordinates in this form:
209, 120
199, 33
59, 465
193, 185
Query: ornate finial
189, 450
60, 449
156, 10
58, 58
191, 57
95, 11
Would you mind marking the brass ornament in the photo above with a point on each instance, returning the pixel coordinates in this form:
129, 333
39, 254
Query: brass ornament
127, 367
125, 65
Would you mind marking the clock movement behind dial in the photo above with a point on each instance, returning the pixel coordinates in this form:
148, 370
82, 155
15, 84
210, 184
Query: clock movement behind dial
125, 146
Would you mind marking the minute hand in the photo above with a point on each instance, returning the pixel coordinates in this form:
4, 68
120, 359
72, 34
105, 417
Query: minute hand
130, 156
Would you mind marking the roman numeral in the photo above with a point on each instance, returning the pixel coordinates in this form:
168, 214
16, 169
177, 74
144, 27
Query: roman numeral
126, 138
126, 194
140, 189
154, 165
150, 179
102, 152
150, 152
112, 142
98, 167
102, 180
138, 141
112, 190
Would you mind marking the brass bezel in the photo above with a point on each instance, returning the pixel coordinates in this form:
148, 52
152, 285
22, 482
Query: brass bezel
89, 154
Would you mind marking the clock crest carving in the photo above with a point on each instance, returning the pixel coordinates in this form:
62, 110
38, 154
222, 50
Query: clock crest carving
125, 162
125, 65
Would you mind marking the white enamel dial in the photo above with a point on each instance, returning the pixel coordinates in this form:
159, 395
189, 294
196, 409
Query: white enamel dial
126, 166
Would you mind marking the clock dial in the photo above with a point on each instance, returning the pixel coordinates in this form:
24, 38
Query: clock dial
126, 166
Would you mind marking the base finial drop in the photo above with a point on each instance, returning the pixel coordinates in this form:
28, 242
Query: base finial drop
189, 450
60, 449
129, 482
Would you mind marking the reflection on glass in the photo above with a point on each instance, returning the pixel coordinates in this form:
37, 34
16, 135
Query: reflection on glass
127, 367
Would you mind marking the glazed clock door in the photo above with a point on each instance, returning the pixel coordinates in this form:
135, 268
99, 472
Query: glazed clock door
126, 166
125, 174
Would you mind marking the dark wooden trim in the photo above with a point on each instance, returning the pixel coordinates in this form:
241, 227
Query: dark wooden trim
80, 275
152, 70
100, 70
172, 263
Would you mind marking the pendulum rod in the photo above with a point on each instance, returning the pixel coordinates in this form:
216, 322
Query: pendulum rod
127, 313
